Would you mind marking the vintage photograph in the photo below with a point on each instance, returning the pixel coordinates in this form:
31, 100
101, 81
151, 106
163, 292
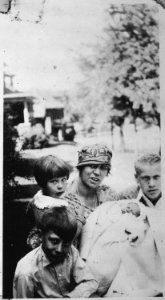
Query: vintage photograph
82, 208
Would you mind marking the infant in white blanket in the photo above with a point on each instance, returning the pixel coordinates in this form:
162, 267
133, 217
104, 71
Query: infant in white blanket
120, 250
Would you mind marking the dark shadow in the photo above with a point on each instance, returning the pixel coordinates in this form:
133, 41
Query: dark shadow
15, 231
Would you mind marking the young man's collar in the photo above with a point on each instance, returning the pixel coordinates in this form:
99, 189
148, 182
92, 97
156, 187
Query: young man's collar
146, 200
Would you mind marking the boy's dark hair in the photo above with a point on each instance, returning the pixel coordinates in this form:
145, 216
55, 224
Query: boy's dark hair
61, 220
48, 167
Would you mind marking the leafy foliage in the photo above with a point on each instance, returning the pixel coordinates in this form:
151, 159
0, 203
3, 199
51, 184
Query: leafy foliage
34, 138
135, 52
125, 66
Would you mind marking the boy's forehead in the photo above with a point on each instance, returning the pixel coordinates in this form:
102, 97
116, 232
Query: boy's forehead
52, 234
148, 168
57, 177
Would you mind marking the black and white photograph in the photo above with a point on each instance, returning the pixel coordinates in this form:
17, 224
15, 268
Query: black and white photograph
83, 153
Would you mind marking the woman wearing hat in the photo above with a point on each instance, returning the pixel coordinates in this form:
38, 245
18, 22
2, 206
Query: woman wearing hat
85, 192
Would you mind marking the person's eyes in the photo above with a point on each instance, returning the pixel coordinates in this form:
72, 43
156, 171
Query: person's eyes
53, 181
104, 168
145, 178
64, 179
156, 177
101, 167
93, 166
54, 241
66, 244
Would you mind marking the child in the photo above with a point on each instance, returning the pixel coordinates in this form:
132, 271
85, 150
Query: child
54, 269
51, 174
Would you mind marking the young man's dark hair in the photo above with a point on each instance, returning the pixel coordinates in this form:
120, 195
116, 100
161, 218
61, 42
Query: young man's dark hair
60, 220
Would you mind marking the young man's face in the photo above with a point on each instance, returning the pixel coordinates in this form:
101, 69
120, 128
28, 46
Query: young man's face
55, 187
93, 175
150, 181
54, 247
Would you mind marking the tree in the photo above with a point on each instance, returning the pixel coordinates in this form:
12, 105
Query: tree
125, 65
135, 54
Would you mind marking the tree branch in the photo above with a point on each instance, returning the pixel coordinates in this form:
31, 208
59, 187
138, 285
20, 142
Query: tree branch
161, 2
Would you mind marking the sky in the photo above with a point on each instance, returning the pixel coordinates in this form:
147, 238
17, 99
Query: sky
44, 55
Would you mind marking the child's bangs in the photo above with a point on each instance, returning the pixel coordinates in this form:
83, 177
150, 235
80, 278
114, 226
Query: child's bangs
55, 171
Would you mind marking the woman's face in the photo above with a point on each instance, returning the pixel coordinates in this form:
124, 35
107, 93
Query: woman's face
55, 187
93, 175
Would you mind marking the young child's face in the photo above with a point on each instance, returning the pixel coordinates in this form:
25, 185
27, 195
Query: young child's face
54, 247
150, 181
56, 187
132, 208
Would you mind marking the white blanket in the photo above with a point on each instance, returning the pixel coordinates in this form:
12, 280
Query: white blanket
121, 250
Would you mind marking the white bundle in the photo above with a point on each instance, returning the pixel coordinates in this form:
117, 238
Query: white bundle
41, 201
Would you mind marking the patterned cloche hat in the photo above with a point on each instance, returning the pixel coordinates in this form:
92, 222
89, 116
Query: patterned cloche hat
94, 154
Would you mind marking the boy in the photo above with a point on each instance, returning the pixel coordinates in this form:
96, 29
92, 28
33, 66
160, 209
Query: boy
54, 269
148, 176
148, 192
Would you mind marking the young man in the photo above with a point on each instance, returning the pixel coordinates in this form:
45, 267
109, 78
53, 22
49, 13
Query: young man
148, 192
148, 176
54, 269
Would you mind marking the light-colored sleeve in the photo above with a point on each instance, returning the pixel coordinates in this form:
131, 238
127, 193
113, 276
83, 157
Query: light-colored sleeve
87, 236
157, 223
94, 227
86, 283
23, 287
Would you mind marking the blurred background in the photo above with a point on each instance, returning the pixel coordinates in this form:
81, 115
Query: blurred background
75, 72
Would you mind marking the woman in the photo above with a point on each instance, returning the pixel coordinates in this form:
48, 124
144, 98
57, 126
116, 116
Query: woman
85, 192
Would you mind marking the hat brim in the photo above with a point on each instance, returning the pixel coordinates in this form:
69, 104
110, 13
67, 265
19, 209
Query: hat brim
92, 162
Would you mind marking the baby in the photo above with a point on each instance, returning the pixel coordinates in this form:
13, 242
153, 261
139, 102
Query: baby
133, 208
135, 224
119, 248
